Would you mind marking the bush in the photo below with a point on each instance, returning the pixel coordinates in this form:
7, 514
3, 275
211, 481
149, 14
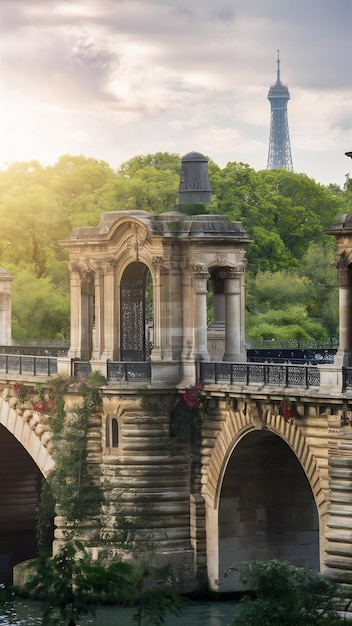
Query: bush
284, 595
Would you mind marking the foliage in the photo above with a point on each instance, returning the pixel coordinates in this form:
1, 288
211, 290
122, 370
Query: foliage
40, 309
153, 601
320, 277
285, 409
193, 396
71, 582
285, 595
75, 489
186, 418
283, 211
288, 323
44, 518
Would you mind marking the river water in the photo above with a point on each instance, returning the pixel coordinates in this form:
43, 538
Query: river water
28, 613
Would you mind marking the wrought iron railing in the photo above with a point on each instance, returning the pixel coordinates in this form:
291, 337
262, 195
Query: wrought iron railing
125, 371
293, 344
79, 369
117, 371
25, 364
347, 377
280, 374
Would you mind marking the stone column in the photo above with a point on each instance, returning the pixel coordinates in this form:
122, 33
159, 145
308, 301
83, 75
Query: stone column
5, 307
187, 314
200, 315
216, 330
76, 305
98, 328
86, 322
165, 309
234, 324
111, 323
156, 352
345, 308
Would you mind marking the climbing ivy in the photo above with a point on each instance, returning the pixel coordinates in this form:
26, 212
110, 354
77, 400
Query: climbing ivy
72, 487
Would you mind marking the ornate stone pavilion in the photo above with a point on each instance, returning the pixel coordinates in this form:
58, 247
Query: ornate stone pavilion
141, 283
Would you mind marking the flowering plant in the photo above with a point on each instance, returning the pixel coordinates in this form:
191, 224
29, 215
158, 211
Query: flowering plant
43, 406
193, 396
35, 399
21, 391
285, 409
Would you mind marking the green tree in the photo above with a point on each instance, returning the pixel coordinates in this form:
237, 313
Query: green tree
163, 161
320, 277
285, 595
289, 323
283, 211
69, 582
40, 308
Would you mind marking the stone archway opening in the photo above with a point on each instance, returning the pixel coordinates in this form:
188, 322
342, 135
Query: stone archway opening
20, 489
267, 509
136, 312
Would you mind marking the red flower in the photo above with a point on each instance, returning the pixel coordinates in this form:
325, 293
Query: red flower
285, 411
38, 406
193, 396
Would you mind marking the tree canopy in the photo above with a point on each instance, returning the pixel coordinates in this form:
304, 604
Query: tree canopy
286, 214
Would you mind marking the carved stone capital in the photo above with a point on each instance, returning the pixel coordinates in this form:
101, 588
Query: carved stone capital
109, 263
82, 268
231, 272
343, 263
160, 264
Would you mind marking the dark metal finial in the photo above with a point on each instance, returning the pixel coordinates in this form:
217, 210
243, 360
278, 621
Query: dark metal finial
349, 154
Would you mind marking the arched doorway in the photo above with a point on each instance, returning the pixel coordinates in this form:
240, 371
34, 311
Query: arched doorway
136, 312
267, 509
19, 498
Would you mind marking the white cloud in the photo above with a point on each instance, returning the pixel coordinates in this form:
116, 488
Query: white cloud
116, 78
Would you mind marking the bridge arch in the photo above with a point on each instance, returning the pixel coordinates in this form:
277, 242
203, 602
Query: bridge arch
24, 460
261, 472
30, 433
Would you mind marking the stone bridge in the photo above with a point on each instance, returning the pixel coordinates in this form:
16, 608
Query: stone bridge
256, 484
269, 475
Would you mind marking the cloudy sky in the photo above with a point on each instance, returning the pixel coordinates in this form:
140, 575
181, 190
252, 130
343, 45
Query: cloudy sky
111, 79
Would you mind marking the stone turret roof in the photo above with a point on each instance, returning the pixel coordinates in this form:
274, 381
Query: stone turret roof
343, 224
170, 224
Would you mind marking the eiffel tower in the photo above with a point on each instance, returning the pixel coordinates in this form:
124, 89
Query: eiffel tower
279, 142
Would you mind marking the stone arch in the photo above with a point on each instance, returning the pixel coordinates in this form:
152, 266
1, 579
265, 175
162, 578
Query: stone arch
134, 339
30, 433
24, 459
235, 427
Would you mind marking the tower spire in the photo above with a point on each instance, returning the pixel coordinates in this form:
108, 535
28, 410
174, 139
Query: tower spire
279, 154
